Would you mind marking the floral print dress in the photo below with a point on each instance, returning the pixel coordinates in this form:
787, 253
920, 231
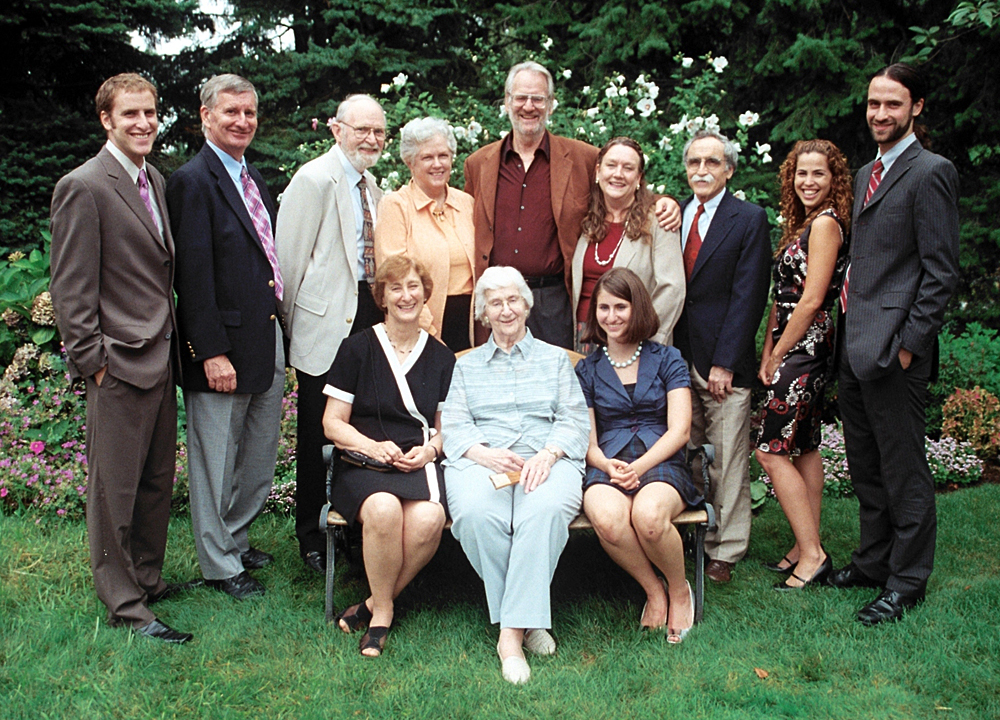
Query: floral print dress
791, 421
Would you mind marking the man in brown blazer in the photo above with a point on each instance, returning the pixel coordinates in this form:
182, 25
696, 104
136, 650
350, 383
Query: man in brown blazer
112, 275
532, 190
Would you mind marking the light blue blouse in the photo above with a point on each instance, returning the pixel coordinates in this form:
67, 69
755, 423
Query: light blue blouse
528, 397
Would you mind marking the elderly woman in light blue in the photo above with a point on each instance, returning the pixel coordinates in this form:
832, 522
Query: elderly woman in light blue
515, 407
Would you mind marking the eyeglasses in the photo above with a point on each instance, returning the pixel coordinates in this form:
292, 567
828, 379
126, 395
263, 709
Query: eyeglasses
523, 99
712, 163
362, 132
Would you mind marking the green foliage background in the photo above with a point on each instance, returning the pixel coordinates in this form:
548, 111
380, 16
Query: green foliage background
802, 64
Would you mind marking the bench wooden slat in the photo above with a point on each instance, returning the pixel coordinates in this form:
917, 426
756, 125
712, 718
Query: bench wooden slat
688, 517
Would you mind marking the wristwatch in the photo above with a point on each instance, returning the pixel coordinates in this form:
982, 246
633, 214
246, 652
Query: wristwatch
553, 451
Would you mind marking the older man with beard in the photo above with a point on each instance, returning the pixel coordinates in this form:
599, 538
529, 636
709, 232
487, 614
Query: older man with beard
532, 190
324, 238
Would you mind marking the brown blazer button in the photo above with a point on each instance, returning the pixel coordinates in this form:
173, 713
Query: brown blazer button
272, 317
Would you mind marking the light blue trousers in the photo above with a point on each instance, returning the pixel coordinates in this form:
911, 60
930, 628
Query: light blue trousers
513, 539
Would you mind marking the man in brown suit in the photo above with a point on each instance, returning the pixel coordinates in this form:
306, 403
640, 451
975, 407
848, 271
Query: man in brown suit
532, 190
112, 274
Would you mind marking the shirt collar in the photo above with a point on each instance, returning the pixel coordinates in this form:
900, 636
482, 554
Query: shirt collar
233, 166
353, 176
421, 199
895, 151
710, 205
126, 161
522, 346
507, 146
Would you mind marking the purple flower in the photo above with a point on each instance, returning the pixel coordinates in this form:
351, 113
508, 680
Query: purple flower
37, 447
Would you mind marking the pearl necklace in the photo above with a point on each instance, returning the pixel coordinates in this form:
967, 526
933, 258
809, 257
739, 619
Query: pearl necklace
626, 363
614, 252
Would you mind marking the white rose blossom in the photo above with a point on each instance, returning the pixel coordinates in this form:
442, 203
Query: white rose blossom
749, 119
687, 62
384, 183
555, 104
567, 73
695, 125
620, 79
385, 87
661, 188
593, 112
547, 43
611, 92
740, 195
460, 132
762, 149
712, 123
679, 126
719, 64
641, 80
400, 80
586, 89
766, 158
646, 106
623, 91
737, 147
664, 144
475, 129
652, 90
504, 133
629, 111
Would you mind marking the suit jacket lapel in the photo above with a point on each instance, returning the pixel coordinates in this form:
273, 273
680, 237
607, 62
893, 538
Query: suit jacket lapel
722, 224
345, 211
489, 174
229, 192
129, 193
607, 374
559, 172
899, 168
647, 371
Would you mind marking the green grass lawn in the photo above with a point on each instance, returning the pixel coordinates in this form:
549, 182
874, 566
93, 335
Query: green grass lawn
276, 658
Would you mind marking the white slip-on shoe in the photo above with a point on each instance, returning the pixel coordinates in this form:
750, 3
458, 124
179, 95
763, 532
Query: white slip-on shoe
514, 669
539, 641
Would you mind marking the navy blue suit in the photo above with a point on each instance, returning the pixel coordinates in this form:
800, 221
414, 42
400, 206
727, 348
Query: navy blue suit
722, 310
727, 291
225, 302
226, 305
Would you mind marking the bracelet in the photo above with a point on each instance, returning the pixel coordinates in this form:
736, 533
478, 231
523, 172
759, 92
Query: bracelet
436, 453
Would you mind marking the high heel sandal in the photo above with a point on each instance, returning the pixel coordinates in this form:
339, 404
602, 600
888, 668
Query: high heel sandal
355, 617
819, 577
776, 567
374, 639
676, 637
647, 628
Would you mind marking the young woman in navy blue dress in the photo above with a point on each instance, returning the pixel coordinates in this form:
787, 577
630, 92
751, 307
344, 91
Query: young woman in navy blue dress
637, 479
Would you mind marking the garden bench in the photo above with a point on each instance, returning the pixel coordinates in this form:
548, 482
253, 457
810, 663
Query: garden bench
702, 520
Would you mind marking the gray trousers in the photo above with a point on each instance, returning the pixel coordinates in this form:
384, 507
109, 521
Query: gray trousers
232, 448
551, 318
727, 426
513, 539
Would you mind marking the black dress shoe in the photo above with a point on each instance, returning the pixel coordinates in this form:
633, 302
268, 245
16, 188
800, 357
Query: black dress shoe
850, 576
170, 590
888, 607
254, 559
315, 561
240, 586
160, 631
819, 577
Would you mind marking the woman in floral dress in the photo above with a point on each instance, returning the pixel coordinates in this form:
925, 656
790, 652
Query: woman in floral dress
797, 361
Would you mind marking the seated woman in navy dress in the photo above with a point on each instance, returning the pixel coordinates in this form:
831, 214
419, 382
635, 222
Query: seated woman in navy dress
637, 479
386, 389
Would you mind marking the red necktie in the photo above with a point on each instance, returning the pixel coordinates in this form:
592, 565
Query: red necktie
693, 243
257, 214
367, 232
873, 183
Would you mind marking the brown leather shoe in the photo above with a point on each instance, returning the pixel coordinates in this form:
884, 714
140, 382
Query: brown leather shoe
719, 571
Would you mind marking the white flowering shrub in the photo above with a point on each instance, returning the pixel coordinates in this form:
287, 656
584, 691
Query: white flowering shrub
660, 119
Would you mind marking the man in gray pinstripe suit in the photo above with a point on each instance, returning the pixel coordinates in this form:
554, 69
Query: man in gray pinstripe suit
903, 269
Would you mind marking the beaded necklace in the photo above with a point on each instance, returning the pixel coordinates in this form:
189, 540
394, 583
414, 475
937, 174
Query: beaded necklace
626, 363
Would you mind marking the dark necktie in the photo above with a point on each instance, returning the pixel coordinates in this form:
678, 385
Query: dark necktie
367, 232
693, 243
259, 217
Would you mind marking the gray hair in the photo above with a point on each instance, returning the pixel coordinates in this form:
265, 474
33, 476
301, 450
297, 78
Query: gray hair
418, 131
728, 148
351, 100
529, 66
225, 83
494, 278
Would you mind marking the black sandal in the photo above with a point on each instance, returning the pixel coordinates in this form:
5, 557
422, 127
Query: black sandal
374, 639
776, 567
355, 617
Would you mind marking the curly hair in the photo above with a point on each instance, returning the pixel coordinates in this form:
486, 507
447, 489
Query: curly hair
841, 197
637, 222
